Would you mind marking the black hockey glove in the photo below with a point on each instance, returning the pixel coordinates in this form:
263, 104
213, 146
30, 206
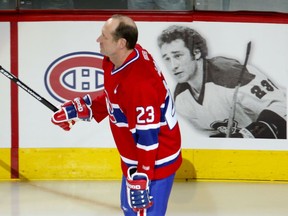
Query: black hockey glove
269, 125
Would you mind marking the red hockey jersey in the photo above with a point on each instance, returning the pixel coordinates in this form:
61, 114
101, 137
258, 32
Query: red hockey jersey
142, 115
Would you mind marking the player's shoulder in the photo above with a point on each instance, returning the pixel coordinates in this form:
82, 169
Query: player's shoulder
144, 55
181, 87
226, 72
144, 64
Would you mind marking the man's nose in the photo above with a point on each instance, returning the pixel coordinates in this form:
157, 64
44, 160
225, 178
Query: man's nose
175, 64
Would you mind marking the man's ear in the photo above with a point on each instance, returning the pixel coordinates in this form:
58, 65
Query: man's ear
122, 42
197, 54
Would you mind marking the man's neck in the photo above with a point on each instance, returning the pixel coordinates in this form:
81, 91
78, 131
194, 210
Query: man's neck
196, 81
119, 58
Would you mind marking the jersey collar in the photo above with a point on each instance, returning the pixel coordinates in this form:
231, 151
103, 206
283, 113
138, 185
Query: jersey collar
131, 58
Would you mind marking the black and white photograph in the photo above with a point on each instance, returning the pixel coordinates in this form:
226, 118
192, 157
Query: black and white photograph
220, 95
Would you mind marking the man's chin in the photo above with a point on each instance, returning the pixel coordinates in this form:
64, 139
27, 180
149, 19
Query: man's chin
102, 51
179, 80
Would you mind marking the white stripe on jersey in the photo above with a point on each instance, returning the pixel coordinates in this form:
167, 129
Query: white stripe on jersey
129, 161
122, 124
167, 159
127, 63
145, 127
148, 148
148, 126
158, 162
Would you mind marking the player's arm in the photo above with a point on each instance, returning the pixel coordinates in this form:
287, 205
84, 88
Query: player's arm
271, 100
268, 125
146, 139
99, 107
143, 115
139, 178
268, 102
142, 110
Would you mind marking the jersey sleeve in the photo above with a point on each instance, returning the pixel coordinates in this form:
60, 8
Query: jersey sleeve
262, 94
144, 123
99, 107
268, 102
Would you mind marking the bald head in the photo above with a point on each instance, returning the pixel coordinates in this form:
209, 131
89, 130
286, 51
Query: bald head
125, 19
125, 28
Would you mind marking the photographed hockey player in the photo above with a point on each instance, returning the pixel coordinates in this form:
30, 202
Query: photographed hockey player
205, 89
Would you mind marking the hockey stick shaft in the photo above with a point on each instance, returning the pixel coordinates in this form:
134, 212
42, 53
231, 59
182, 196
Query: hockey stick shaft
233, 108
28, 89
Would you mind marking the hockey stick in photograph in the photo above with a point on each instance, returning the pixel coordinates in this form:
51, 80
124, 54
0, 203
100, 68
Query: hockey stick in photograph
28, 89
233, 107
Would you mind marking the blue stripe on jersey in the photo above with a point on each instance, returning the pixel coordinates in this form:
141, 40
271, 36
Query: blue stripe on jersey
146, 137
167, 163
163, 111
120, 118
164, 108
168, 112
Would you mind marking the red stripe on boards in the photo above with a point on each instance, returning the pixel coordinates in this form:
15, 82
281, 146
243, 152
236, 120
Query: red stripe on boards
14, 102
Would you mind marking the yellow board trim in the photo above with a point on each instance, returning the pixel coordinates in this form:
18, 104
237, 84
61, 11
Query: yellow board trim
104, 163
251, 165
5, 165
69, 163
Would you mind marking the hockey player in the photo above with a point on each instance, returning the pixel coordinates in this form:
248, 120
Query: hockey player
205, 89
142, 118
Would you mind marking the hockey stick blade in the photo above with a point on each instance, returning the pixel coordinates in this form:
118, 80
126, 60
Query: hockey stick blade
233, 108
28, 89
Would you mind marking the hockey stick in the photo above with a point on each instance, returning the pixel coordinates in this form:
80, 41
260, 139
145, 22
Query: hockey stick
27, 89
233, 108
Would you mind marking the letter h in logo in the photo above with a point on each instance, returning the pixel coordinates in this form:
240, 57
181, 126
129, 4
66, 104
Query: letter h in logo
87, 73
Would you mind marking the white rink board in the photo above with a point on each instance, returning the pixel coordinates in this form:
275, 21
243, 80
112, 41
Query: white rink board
5, 102
41, 43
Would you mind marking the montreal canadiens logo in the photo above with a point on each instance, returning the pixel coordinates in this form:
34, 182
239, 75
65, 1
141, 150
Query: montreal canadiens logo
75, 75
